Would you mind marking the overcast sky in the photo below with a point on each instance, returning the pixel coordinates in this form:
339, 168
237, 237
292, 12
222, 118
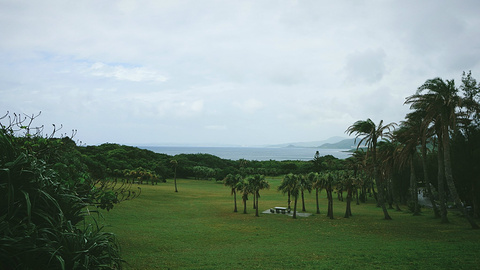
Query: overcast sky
226, 72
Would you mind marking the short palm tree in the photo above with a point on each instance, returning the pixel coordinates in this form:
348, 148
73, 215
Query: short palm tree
245, 188
232, 181
305, 185
317, 185
329, 180
290, 184
174, 163
286, 185
258, 183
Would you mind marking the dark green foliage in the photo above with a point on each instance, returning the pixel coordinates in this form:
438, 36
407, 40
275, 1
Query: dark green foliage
111, 161
43, 194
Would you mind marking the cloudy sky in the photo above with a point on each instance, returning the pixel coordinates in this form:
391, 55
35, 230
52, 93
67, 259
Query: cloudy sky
226, 72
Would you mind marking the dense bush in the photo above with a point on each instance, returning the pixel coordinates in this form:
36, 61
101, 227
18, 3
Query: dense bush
43, 193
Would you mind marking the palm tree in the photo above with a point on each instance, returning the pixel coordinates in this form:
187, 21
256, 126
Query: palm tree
232, 181
258, 183
329, 180
305, 185
441, 102
408, 135
290, 184
442, 196
387, 152
286, 185
415, 120
347, 181
245, 188
357, 163
317, 185
372, 133
174, 163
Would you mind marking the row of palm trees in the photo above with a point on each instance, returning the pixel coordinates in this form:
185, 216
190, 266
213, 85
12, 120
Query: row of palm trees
437, 112
245, 186
295, 186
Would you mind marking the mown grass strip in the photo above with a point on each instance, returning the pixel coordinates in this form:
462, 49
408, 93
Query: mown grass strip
197, 229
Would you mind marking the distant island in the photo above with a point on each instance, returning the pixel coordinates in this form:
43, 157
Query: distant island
331, 143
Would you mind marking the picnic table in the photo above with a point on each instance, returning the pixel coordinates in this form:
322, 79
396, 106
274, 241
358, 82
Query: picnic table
280, 209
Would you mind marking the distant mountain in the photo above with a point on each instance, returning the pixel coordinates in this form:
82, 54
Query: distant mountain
316, 144
343, 144
331, 143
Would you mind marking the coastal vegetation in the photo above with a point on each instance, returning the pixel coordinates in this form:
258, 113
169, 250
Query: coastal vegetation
176, 212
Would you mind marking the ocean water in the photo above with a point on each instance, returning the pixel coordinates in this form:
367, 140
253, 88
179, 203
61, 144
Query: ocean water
251, 153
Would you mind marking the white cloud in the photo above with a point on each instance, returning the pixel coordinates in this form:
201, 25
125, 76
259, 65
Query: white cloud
119, 72
366, 66
249, 106
216, 127
164, 70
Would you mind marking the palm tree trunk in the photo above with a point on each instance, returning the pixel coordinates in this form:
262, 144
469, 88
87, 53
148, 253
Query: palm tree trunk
441, 183
413, 188
348, 210
356, 195
303, 202
235, 200
316, 197
375, 194
363, 194
288, 200
244, 204
436, 213
330, 202
256, 209
390, 193
254, 205
295, 207
449, 177
475, 201
175, 179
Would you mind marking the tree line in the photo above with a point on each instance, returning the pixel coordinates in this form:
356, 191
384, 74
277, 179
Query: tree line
434, 151
442, 126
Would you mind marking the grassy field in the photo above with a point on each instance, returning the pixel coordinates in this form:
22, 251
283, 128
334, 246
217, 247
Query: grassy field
197, 229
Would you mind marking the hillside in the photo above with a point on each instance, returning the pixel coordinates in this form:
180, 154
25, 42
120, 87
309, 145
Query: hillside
343, 144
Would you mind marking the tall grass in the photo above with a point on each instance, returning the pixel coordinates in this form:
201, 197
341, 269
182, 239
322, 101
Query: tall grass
196, 228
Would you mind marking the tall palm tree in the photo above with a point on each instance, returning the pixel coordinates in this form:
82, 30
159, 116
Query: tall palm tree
258, 183
232, 181
424, 131
407, 135
441, 102
442, 195
387, 151
174, 163
356, 163
372, 133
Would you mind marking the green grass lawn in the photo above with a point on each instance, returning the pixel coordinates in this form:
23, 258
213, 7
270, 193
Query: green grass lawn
196, 228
